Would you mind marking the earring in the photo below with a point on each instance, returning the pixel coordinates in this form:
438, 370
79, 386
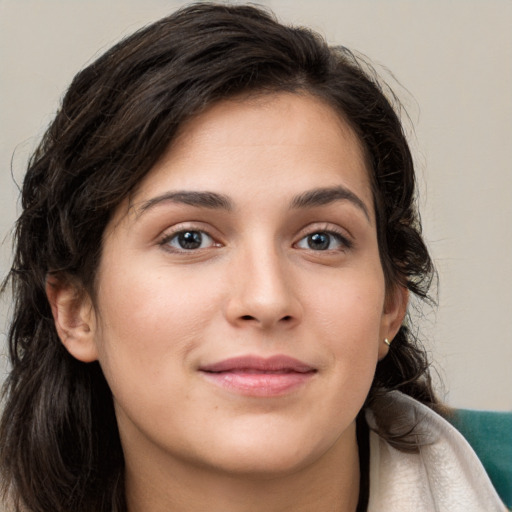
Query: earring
387, 342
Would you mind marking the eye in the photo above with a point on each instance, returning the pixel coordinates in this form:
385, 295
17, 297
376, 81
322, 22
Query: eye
189, 240
323, 241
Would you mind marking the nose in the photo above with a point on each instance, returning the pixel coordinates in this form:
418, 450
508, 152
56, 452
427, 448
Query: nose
263, 293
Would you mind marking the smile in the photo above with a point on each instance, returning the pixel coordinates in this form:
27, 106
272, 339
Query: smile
259, 377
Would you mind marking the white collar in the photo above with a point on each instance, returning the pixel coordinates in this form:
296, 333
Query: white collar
444, 476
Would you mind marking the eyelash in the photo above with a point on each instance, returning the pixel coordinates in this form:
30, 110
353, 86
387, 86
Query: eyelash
169, 237
338, 236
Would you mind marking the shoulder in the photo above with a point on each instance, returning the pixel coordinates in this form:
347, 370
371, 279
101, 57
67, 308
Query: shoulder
444, 474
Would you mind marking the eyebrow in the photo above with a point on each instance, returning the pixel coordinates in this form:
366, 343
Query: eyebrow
192, 198
325, 196
215, 201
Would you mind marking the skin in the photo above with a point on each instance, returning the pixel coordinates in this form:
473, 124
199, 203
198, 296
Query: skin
254, 286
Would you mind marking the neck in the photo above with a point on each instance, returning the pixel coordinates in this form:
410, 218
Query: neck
330, 483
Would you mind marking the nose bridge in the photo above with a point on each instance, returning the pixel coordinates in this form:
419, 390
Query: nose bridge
263, 291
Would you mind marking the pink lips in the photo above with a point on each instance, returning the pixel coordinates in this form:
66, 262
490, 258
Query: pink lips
257, 376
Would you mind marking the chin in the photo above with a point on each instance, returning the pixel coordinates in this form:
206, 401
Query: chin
269, 453
261, 465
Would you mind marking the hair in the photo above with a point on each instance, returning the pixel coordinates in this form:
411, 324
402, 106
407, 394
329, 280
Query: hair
59, 443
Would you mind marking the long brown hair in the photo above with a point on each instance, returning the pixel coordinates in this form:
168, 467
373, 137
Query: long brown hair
59, 443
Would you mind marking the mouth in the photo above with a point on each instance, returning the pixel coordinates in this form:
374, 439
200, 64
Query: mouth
259, 377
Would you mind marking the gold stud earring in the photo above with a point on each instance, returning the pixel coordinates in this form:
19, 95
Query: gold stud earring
387, 342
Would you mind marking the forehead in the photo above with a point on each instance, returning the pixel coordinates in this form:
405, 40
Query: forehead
257, 144
287, 119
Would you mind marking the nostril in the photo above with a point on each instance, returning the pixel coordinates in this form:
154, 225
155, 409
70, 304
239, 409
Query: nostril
248, 318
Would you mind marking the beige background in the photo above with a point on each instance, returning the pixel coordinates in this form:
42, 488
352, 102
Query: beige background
454, 61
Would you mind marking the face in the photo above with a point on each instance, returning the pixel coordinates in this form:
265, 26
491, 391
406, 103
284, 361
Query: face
241, 305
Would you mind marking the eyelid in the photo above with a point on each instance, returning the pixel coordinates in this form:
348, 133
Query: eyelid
342, 235
205, 238
168, 234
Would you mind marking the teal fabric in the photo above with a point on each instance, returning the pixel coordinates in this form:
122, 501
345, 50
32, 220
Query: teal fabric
490, 435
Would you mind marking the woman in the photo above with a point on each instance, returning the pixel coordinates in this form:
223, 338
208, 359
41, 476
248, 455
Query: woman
212, 271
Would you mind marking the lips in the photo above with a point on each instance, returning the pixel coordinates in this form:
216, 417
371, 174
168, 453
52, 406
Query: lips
259, 377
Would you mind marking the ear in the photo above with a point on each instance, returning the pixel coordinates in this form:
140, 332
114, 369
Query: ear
395, 308
74, 317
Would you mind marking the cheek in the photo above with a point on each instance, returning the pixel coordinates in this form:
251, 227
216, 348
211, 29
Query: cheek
348, 319
149, 323
350, 306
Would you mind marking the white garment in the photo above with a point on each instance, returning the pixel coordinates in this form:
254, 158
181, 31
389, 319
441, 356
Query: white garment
445, 476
